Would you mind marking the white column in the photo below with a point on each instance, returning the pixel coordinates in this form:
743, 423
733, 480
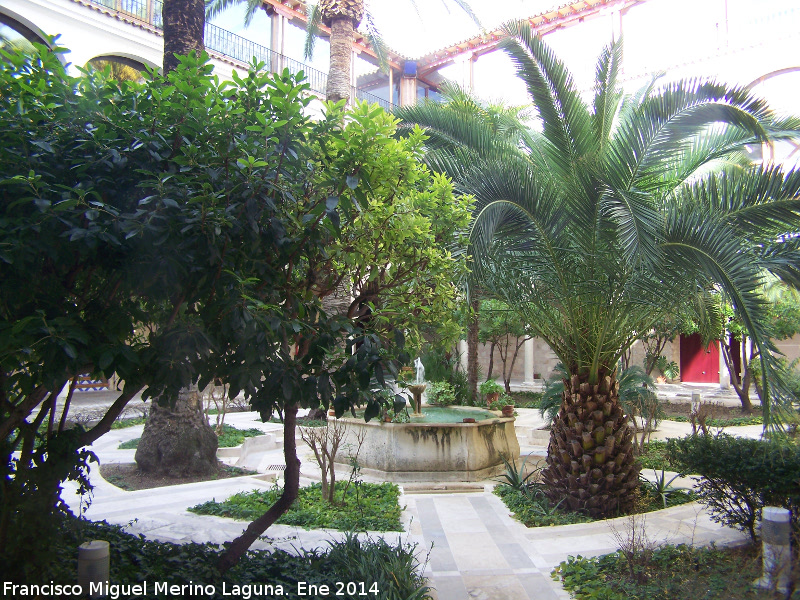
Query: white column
528, 358
278, 32
724, 373
462, 354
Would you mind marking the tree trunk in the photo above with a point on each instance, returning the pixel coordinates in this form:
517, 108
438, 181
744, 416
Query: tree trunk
184, 28
472, 351
590, 462
178, 441
339, 75
742, 389
291, 486
491, 360
507, 378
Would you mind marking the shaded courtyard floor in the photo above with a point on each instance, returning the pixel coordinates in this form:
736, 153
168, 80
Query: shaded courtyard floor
473, 547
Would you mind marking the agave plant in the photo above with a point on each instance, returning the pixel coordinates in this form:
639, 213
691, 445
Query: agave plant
607, 218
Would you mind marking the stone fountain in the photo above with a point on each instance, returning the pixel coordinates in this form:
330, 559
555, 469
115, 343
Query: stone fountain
429, 450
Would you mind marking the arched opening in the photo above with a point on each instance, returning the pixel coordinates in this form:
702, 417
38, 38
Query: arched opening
17, 36
780, 88
121, 68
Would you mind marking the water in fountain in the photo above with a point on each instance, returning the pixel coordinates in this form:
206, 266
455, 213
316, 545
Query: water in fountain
420, 370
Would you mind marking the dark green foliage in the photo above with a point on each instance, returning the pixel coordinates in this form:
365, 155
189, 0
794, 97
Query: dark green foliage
655, 456
526, 399
669, 573
723, 422
739, 476
129, 444
440, 393
531, 506
661, 488
131, 422
395, 569
230, 438
363, 507
185, 229
442, 365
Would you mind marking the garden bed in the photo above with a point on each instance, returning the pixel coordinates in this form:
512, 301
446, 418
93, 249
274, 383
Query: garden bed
533, 509
128, 477
667, 573
361, 507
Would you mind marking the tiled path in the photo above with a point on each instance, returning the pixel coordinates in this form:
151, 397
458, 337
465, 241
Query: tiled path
475, 549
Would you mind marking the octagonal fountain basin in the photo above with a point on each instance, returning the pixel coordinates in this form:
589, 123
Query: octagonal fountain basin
438, 447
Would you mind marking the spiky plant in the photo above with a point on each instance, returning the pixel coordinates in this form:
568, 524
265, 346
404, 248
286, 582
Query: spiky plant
604, 218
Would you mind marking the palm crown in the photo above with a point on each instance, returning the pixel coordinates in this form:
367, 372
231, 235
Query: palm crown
609, 217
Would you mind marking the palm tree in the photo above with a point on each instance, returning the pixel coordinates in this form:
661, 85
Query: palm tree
607, 218
343, 18
184, 25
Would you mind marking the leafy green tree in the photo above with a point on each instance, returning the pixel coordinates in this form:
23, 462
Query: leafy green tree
611, 215
185, 229
782, 321
502, 329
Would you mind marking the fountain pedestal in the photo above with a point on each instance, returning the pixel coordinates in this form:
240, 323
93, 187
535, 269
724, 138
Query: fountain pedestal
416, 390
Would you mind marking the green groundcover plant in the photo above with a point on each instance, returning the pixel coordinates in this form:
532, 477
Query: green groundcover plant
230, 437
359, 507
534, 509
394, 571
666, 573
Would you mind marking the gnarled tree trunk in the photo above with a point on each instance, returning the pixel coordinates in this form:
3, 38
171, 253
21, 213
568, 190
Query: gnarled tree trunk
178, 441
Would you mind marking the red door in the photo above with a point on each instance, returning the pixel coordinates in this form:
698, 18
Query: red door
699, 364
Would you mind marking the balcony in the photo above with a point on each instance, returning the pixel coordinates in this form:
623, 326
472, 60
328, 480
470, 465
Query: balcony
230, 45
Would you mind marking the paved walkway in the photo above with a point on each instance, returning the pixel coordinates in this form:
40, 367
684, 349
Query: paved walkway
475, 549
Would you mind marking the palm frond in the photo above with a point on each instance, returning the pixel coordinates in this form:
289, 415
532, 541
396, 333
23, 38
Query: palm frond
607, 95
215, 7
313, 22
376, 42
696, 241
565, 118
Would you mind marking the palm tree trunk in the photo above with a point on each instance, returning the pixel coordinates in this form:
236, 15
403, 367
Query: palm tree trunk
339, 76
590, 462
184, 24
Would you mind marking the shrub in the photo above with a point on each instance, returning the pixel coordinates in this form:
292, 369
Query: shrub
739, 476
441, 393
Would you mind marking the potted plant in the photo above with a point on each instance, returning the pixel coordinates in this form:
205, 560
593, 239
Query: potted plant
491, 390
669, 369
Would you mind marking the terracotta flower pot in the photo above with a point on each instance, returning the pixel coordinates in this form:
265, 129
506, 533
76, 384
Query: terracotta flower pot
493, 397
468, 420
508, 410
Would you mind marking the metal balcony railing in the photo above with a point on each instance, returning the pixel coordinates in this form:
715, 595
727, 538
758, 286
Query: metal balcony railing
233, 46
